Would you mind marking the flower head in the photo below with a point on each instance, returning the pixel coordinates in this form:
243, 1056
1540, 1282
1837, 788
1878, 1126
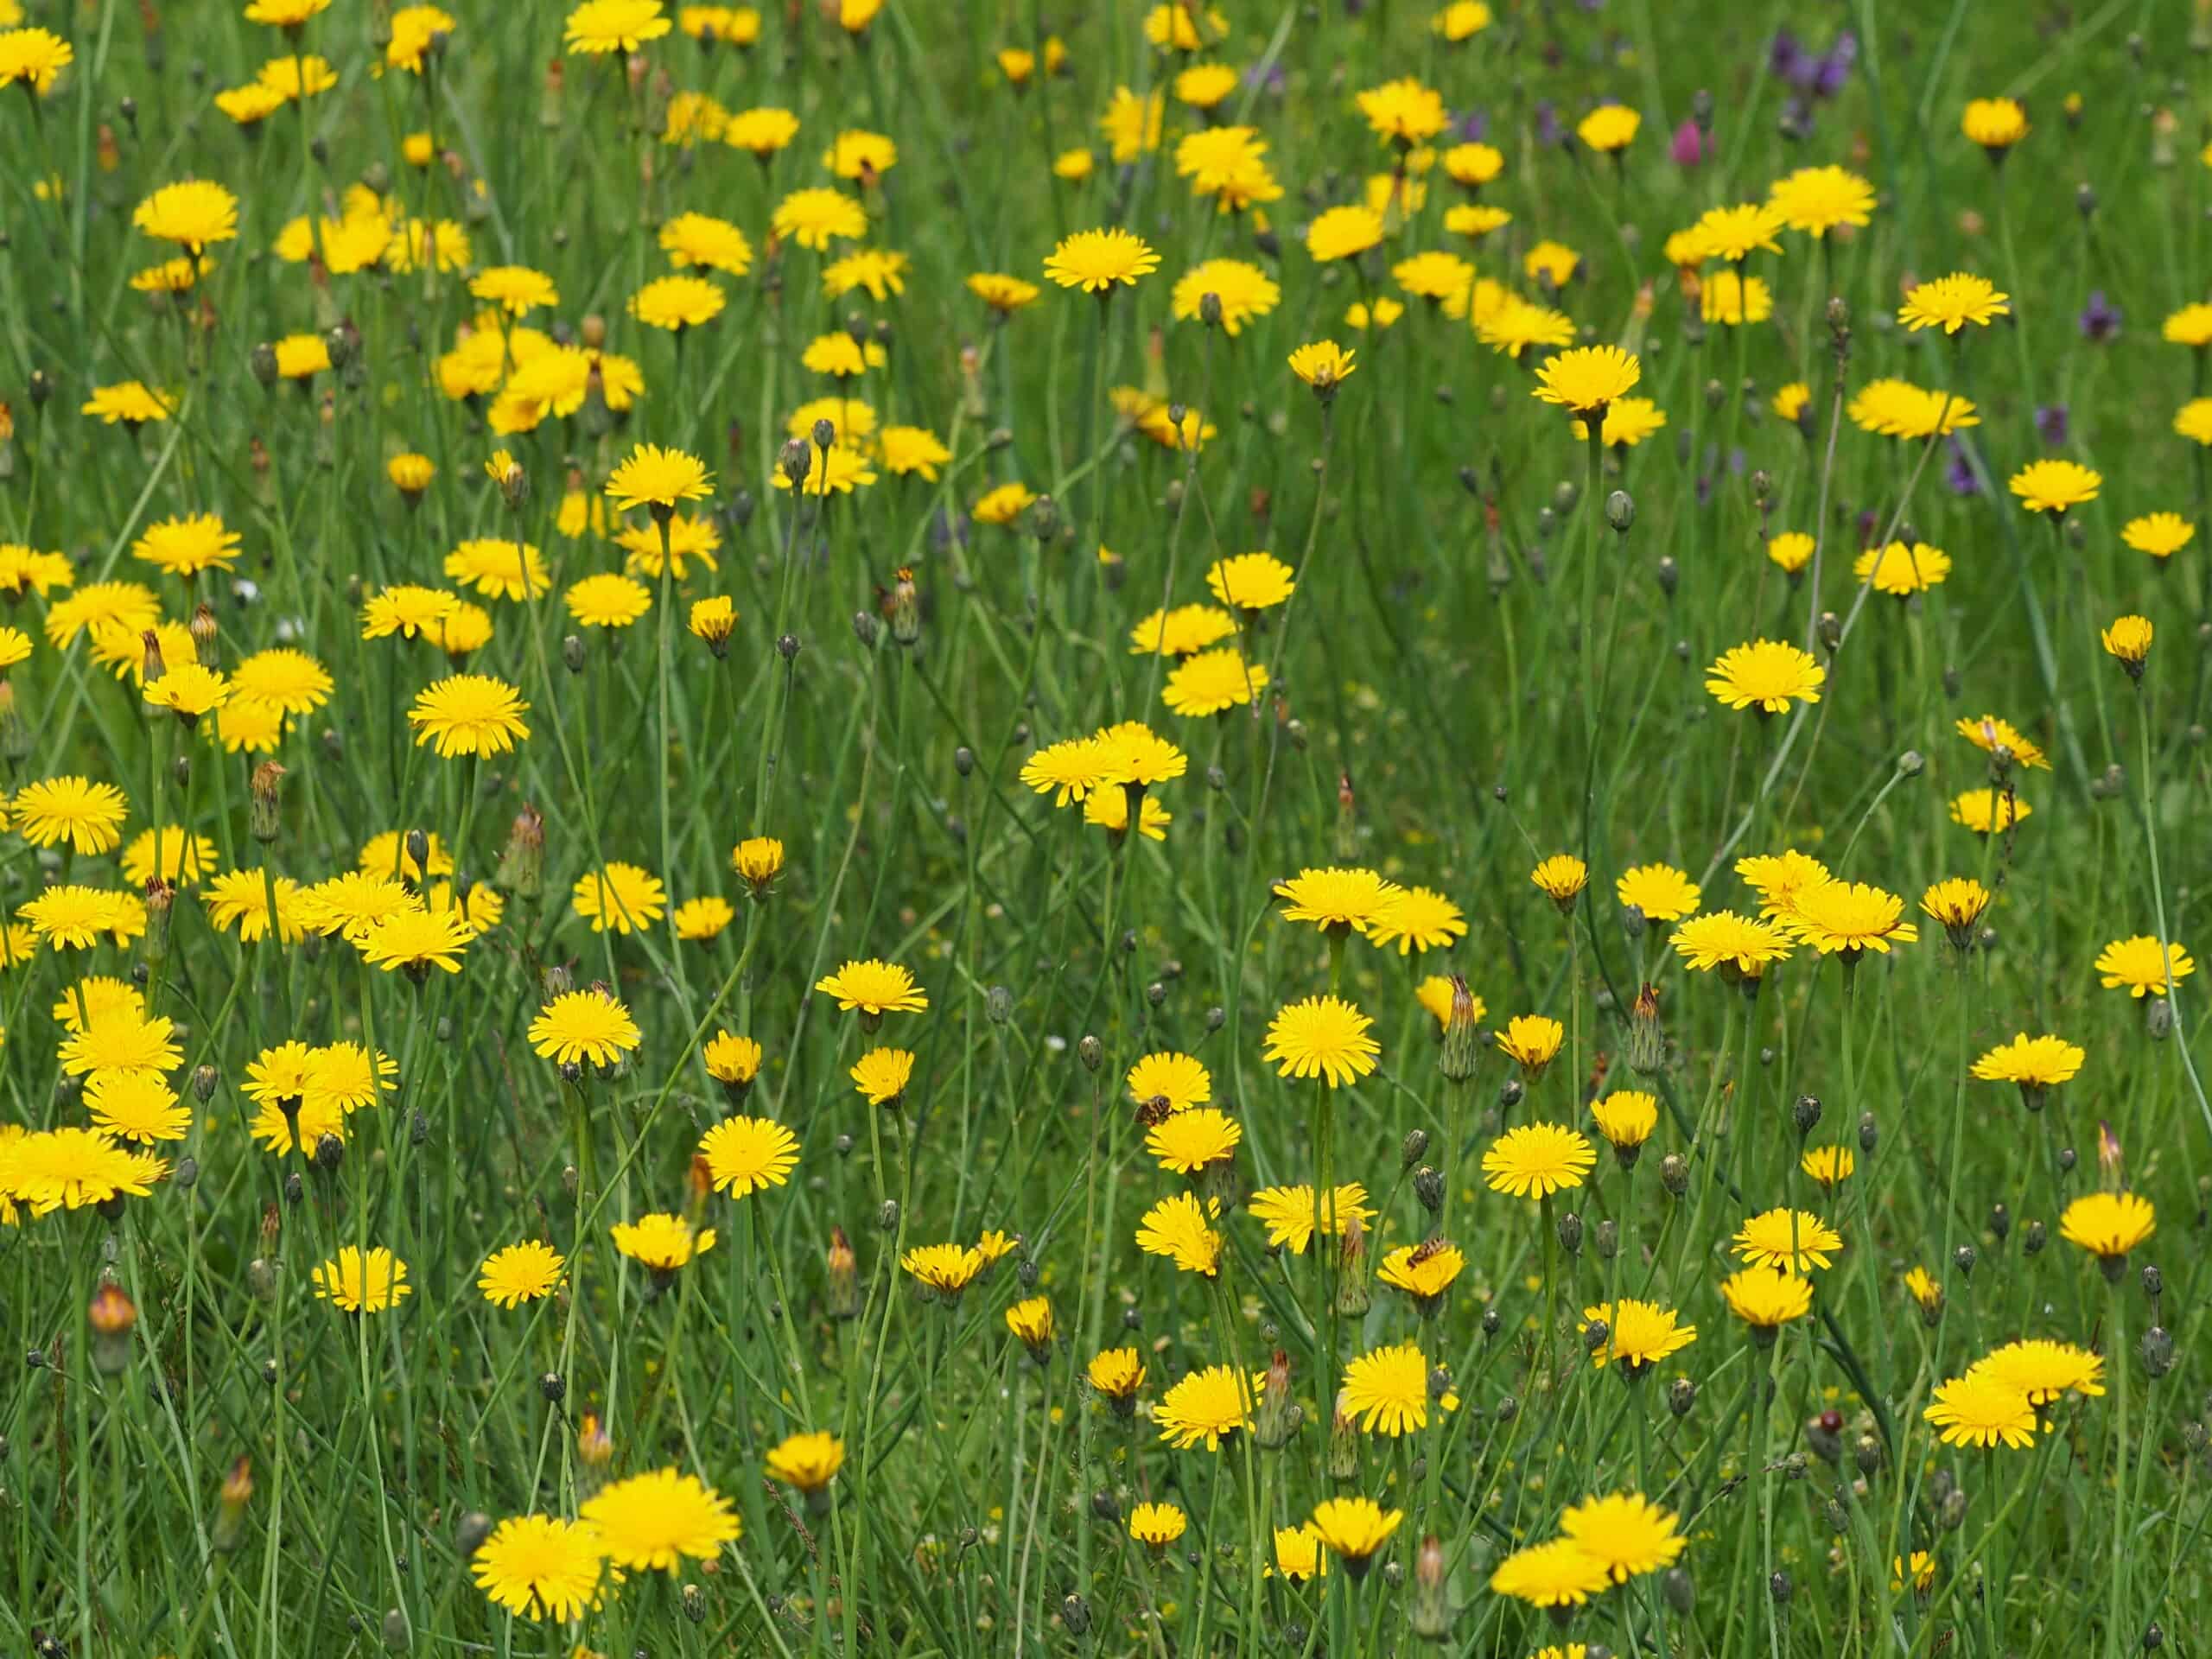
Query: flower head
1353, 1529
1533, 1160
1662, 892
1951, 302
359, 1281
1322, 1037
2053, 485
538, 1566
875, 988
1788, 1240
1766, 676
1557, 1574
1995, 123
521, 1273
1179, 1227
1766, 1299
1531, 1041
654, 1520
1337, 900
1205, 1408
2108, 1225
1586, 378
577, 1026
1982, 1409
469, 714
1387, 1390
1099, 261
746, 1155
2142, 966
661, 1242
1627, 1534
1638, 1334
1288, 1213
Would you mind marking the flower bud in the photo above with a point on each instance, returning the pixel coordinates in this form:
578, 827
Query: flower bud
1620, 510
1682, 1396
1432, 1611
1646, 1039
1344, 1443
1461, 1052
1277, 1416
1091, 1051
522, 865
264, 816
1675, 1174
1428, 1187
1352, 1296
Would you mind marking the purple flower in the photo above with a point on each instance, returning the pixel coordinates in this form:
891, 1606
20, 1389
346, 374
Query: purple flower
2051, 424
1834, 66
1473, 126
1785, 55
1689, 146
2100, 321
1548, 132
1273, 81
1959, 475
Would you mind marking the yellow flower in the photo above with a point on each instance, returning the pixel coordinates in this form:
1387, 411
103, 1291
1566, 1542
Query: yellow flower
1638, 1334
599, 26
1609, 129
1662, 892
521, 1273
1532, 1041
2055, 486
882, 1075
1403, 112
2161, 535
745, 1155
2108, 1225
660, 1241
810, 1462
579, 1026
1533, 1160
2142, 966
1343, 233
1353, 1529
1988, 811
1627, 1534
1179, 1228
1982, 1409
1815, 199
1099, 261
658, 479
1951, 302
655, 1521
875, 988
2128, 640
541, 1567
1562, 877
1585, 379
1766, 676
1322, 1037
357, 1282
1995, 123
1288, 1213
1788, 1240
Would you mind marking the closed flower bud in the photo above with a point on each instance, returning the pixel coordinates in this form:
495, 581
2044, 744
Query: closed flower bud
470, 1532
1953, 1514
1107, 1507
262, 362
1075, 1613
1461, 1049
1778, 1586
1570, 1233
1091, 1051
1428, 1187
572, 653
161, 900
1352, 1295
1344, 1443
1620, 510
522, 865
1432, 1611
1963, 1260
1609, 1239
2033, 1237
1675, 1174
1806, 1114
264, 817
1680, 1589
905, 609
1869, 1133
2154, 1282
237, 1491
2157, 1352
1413, 1148
204, 1081
113, 1317
1681, 1396
886, 1218
864, 628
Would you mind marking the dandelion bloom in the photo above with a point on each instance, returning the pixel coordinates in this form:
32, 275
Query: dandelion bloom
1958, 903
1951, 302
1099, 261
660, 1241
1337, 900
373, 1282
1324, 366
1251, 582
1414, 919
2128, 642
653, 1521
1766, 676
1179, 1227
882, 1075
2142, 966
521, 1273
1562, 877
1353, 1529
600, 27
1242, 291
72, 1168
1212, 683
1387, 1390
1898, 409
71, 916
1423, 1271
619, 897
1322, 1037
1982, 1409
1988, 811
537, 1566
944, 1270
1203, 1407
2035, 1064
807, 1461
417, 940
469, 714
1586, 378
1989, 733
1115, 1373
133, 1105
1995, 123
1189, 1141
1626, 1118
583, 1026
1532, 1041
2161, 535
2053, 485
2108, 1225
1789, 1241
1850, 918
1609, 128
1557, 1574
1533, 1160
2043, 1370
1343, 233
657, 478
1627, 1534
1157, 1524
1183, 631
875, 988
1178, 1079
1662, 892
1638, 1334
193, 214
1815, 199
73, 812
1900, 571
2193, 420
1765, 1300
1791, 550
745, 1155
1288, 1213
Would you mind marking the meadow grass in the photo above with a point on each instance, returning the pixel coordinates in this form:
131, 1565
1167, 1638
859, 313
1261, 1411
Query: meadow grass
594, 1064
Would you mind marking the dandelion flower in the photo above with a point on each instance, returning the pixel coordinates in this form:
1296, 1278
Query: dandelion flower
1203, 1407
1995, 123
1387, 1390
1988, 811
1190, 1142
1179, 1227
583, 1026
1561, 877
1952, 303
1353, 1529
653, 1521
1765, 676
520, 1272
2142, 966
1533, 1160
1586, 378
1288, 1213
1181, 1081
537, 1566
1250, 582
1557, 1574
373, 1282
73, 812
1982, 1409
660, 1241
1157, 1524
1322, 1037
745, 1155
807, 1461
1765, 1300
1900, 571
2108, 1225
1339, 901
1789, 1241
882, 1075
1414, 919
1638, 1334
1531, 1041
1627, 1534
1099, 261
1848, 919
875, 988
1662, 892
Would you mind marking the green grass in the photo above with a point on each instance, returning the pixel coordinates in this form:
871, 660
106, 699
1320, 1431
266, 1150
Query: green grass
1497, 651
